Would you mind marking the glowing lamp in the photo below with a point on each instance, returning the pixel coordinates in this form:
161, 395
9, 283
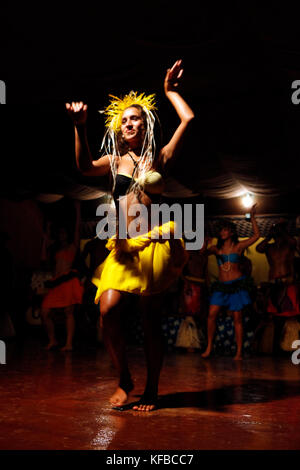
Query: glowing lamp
247, 200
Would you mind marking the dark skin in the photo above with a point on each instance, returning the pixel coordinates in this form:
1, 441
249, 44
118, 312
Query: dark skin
197, 263
97, 251
280, 254
112, 301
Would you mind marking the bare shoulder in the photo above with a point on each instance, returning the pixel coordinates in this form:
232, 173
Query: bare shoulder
101, 161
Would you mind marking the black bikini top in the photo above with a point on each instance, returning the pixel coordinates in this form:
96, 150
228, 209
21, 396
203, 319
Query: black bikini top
152, 184
123, 182
122, 185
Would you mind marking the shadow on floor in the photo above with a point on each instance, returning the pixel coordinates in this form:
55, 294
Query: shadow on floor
252, 391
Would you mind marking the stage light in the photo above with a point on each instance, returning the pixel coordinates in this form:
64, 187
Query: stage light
247, 200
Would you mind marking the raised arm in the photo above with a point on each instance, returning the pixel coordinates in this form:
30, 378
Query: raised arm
208, 248
84, 161
183, 110
263, 245
256, 234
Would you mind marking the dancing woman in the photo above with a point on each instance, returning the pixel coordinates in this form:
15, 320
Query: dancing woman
65, 288
145, 265
231, 290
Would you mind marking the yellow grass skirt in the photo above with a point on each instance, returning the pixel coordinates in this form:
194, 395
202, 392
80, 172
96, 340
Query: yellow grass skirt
141, 265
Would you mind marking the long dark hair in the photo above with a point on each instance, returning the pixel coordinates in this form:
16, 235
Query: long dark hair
231, 226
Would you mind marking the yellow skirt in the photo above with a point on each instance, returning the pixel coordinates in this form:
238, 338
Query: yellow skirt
141, 265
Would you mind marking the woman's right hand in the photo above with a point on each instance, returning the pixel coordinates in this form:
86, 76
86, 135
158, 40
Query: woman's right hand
78, 112
253, 210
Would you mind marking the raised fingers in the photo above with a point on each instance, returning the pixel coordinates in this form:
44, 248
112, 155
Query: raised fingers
76, 106
175, 73
177, 64
180, 73
77, 110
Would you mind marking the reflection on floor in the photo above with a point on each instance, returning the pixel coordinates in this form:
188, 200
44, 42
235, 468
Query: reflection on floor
55, 400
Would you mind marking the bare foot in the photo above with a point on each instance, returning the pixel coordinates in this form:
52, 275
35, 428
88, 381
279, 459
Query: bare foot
119, 398
206, 353
67, 348
143, 407
146, 404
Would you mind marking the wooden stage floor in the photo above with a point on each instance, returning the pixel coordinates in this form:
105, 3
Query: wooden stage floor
59, 401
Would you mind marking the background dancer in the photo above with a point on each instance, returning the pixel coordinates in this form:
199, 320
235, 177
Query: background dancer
65, 288
282, 293
231, 289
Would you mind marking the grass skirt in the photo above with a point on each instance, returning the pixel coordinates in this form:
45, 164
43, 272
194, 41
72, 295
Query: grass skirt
66, 294
141, 265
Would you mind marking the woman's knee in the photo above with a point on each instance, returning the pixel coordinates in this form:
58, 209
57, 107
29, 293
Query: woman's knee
237, 317
45, 313
107, 311
213, 311
110, 303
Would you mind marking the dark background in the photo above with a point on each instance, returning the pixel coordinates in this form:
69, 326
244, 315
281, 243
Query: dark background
240, 59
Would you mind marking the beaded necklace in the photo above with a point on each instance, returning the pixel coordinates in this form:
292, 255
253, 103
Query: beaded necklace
227, 265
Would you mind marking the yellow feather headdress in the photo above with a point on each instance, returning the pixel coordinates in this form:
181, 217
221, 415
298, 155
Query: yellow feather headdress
117, 106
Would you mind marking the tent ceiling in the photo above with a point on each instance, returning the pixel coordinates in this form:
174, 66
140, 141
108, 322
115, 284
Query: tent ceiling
240, 61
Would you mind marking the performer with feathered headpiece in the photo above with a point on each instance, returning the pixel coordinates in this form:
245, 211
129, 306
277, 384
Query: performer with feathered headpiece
146, 264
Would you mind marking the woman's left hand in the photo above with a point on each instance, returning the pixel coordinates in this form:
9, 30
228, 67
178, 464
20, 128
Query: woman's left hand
173, 76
